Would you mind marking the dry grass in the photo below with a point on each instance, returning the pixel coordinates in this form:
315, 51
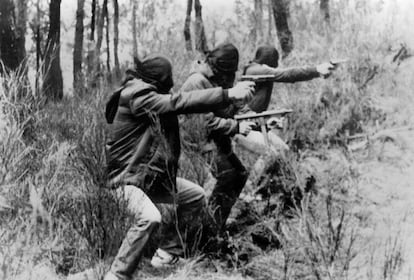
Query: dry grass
52, 167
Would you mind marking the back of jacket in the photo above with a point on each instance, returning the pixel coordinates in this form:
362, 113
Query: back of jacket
144, 138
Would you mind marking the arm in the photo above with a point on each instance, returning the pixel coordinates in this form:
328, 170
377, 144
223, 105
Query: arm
197, 101
219, 121
223, 126
287, 75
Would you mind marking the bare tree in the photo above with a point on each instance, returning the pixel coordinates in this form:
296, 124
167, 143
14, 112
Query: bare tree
21, 22
99, 37
324, 7
108, 47
134, 29
281, 15
90, 57
9, 53
53, 83
38, 40
100, 28
78, 47
116, 38
187, 24
258, 17
93, 20
270, 23
201, 40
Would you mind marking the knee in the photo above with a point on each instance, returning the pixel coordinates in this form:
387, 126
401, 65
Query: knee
151, 216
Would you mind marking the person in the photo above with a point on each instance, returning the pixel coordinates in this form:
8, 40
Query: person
266, 63
219, 69
143, 151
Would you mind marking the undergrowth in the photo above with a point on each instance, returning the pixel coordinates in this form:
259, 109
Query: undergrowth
54, 207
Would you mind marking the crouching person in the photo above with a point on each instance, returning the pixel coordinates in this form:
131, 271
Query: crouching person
219, 69
143, 151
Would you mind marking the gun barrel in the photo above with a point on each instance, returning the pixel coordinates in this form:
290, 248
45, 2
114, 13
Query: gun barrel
338, 61
269, 113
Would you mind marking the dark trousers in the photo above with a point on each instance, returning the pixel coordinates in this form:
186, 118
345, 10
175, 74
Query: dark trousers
231, 177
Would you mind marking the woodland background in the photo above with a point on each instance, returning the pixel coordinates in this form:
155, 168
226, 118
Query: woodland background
351, 132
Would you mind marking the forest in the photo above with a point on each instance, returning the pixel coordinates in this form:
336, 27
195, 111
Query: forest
349, 136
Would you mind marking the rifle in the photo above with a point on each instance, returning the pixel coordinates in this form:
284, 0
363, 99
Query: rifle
260, 119
258, 78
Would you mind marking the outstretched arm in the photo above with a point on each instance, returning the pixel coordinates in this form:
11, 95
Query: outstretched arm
292, 74
196, 101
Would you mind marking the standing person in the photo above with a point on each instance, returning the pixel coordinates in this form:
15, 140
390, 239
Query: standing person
219, 69
143, 153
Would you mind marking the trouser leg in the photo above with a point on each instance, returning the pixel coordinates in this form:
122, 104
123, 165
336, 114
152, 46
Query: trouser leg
189, 201
147, 217
231, 178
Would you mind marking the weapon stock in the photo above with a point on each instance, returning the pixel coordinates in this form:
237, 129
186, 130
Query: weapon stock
264, 114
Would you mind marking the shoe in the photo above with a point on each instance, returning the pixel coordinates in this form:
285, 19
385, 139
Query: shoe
163, 259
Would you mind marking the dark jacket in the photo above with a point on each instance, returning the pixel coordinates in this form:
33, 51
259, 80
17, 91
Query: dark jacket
263, 90
144, 141
219, 124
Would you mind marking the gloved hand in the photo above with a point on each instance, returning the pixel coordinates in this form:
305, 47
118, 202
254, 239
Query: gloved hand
245, 127
325, 69
242, 91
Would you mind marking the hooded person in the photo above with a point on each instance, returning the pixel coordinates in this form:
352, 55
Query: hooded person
143, 151
266, 62
219, 126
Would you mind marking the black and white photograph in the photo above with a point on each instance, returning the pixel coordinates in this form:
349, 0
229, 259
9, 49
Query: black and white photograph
206, 139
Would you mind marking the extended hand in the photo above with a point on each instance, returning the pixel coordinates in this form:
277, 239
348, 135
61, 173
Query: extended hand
325, 69
242, 91
245, 127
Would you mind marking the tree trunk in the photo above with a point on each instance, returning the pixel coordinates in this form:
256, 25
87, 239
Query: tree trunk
269, 39
91, 46
108, 47
99, 34
78, 47
21, 29
201, 41
258, 16
100, 28
134, 29
324, 7
39, 55
93, 20
281, 15
52, 73
9, 53
116, 39
187, 29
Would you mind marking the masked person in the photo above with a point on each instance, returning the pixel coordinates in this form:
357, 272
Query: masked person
143, 153
219, 69
266, 63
